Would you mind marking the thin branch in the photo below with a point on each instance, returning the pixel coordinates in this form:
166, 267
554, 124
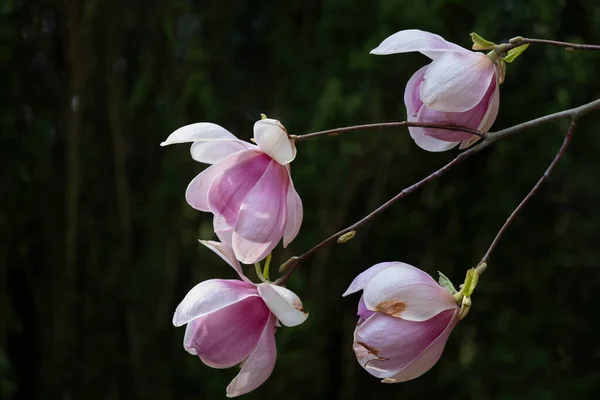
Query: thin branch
574, 113
337, 131
533, 191
521, 41
292, 264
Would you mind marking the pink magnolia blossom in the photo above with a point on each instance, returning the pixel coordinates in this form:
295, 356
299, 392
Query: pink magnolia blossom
232, 322
405, 319
459, 87
248, 188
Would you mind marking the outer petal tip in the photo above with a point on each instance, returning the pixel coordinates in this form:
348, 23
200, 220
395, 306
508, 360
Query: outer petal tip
272, 137
283, 303
198, 131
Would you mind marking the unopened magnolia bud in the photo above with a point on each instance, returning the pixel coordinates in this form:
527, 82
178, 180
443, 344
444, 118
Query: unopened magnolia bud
516, 39
286, 265
346, 237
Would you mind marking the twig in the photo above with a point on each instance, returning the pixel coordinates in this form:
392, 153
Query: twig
491, 137
521, 41
337, 131
533, 191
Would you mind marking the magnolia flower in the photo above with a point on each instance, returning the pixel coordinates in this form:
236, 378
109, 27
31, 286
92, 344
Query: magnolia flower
232, 322
405, 318
459, 87
248, 188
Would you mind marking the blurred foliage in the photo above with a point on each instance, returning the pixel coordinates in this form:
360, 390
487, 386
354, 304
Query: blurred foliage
98, 245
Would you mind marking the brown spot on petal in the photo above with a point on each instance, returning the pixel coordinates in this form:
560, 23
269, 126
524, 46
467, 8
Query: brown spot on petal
391, 307
371, 350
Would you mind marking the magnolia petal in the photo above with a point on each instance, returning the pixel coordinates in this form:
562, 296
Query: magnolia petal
467, 119
273, 139
197, 191
456, 82
363, 312
210, 296
428, 358
427, 142
283, 303
257, 368
190, 331
412, 93
492, 109
396, 342
261, 219
406, 292
228, 189
227, 337
364, 277
226, 253
211, 152
198, 131
410, 40
293, 219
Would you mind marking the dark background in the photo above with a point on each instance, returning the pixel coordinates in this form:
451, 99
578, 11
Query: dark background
98, 245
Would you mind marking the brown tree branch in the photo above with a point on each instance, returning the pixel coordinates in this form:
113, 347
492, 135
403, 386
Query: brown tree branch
574, 113
519, 41
533, 191
337, 131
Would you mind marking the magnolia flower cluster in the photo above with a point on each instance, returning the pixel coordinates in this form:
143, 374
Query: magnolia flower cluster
405, 317
249, 190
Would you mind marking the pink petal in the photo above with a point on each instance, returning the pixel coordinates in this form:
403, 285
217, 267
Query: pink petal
211, 152
259, 365
190, 331
469, 119
397, 342
226, 253
364, 277
283, 303
197, 191
273, 139
228, 189
406, 292
427, 142
492, 108
427, 43
456, 82
227, 337
223, 231
293, 220
198, 131
363, 312
412, 93
261, 220
427, 359
211, 296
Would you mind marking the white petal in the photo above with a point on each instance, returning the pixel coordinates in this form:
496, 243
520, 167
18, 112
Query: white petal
410, 40
283, 303
456, 82
406, 292
198, 131
213, 151
273, 139
363, 278
226, 253
210, 296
